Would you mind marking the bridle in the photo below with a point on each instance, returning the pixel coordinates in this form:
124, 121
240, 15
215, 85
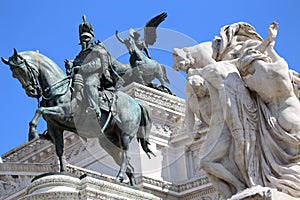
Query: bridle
31, 73
44, 93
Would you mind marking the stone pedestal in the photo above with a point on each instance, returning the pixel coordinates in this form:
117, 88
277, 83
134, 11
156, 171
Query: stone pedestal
61, 186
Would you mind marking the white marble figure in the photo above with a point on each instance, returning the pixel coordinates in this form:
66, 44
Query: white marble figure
197, 103
254, 134
196, 56
295, 77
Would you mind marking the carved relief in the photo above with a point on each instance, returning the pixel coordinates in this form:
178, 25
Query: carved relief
11, 183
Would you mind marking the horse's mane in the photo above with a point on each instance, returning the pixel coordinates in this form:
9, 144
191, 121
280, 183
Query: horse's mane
35, 58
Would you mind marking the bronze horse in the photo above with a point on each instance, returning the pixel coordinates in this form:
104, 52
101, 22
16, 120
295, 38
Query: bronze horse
147, 69
40, 76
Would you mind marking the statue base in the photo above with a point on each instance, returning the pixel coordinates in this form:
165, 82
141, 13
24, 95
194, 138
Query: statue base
63, 186
261, 193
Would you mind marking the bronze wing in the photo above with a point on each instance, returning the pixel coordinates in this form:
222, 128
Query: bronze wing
150, 28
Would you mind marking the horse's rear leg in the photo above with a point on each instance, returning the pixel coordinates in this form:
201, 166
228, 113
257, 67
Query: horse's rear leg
160, 76
130, 174
161, 80
125, 140
114, 151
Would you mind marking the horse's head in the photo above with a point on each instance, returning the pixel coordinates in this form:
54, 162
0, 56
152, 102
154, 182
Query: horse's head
26, 74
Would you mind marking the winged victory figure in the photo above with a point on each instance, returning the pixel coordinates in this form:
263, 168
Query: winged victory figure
149, 33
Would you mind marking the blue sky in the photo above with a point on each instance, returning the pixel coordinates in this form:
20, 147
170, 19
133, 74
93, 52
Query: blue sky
52, 28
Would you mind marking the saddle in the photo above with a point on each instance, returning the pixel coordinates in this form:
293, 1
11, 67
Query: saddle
107, 100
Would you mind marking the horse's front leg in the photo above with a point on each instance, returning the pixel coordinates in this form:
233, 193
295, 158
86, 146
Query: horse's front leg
54, 112
57, 138
59, 147
33, 123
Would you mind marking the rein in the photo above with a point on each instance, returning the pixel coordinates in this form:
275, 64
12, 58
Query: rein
48, 90
56, 85
34, 79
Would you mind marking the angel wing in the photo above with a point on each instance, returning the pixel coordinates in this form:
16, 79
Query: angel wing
150, 28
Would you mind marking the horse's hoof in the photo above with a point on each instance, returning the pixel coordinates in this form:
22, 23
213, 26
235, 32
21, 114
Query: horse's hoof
132, 182
131, 177
119, 179
32, 134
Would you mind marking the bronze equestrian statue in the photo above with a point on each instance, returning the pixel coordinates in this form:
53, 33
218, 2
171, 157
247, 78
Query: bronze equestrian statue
65, 105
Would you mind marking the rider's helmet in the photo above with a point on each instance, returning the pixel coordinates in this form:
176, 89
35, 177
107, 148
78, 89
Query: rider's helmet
86, 29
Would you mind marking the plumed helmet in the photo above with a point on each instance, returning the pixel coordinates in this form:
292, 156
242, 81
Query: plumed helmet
85, 28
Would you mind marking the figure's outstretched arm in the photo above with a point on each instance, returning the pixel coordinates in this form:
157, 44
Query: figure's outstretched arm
273, 29
118, 37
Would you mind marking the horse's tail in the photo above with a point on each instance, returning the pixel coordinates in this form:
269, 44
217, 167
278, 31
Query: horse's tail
145, 128
165, 74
